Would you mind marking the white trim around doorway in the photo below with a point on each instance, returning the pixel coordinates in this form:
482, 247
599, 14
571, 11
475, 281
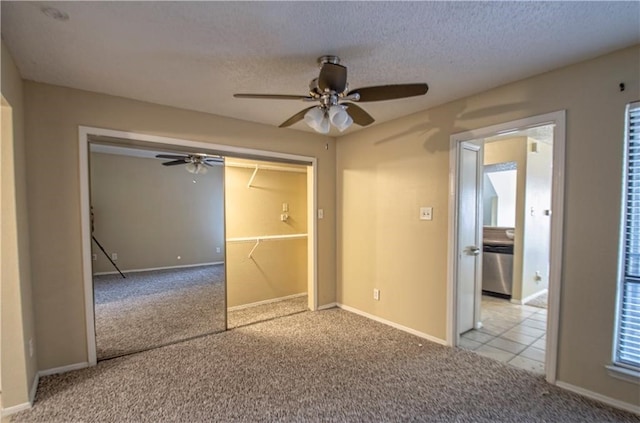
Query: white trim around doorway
556, 239
84, 135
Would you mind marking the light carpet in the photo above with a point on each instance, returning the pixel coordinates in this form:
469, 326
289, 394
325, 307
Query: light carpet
328, 366
260, 313
155, 308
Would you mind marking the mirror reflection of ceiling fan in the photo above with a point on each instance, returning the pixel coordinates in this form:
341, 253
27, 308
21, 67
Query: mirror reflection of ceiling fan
195, 163
336, 100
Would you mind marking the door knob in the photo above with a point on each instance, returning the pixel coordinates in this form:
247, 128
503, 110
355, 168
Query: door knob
473, 250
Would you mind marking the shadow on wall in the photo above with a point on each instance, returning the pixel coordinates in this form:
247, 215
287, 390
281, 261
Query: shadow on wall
436, 138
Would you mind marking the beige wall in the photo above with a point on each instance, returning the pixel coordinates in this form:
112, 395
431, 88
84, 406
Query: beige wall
386, 172
513, 150
277, 268
52, 118
18, 367
151, 214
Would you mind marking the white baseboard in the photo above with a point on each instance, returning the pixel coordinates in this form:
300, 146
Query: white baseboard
599, 397
393, 325
34, 386
529, 298
27, 405
158, 268
15, 409
272, 300
327, 306
63, 369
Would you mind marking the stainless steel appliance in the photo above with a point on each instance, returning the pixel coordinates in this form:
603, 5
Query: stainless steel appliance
497, 269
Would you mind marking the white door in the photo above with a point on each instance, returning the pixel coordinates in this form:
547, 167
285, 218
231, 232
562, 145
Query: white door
469, 238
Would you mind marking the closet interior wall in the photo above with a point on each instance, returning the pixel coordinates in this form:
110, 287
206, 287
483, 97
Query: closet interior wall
266, 229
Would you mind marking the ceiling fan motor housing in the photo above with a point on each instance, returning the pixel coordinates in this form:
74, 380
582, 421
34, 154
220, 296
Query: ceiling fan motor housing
334, 60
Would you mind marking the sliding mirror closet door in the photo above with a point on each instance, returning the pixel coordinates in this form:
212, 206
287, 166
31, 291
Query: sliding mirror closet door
267, 248
158, 248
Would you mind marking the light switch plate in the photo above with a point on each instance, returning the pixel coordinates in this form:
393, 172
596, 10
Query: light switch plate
426, 213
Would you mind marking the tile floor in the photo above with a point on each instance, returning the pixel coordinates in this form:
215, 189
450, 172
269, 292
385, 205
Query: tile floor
511, 333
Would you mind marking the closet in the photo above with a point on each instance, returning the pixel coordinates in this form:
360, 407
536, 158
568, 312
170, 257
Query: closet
266, 244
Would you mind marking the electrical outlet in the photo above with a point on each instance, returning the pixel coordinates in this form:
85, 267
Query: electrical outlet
114, 256
94, 257
376, 294
320, 213
285, 207
217, 249
426, 213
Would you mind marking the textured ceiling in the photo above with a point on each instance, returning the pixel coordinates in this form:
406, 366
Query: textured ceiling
195, 55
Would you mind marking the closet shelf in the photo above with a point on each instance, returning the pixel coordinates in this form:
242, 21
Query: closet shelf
259, 239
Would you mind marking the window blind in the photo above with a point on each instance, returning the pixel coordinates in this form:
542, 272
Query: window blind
628, 345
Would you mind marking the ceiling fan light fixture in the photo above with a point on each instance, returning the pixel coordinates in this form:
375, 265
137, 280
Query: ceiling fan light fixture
339, 117
196, 168
345, 125
324, 125
321, 120
314, 118
192, 168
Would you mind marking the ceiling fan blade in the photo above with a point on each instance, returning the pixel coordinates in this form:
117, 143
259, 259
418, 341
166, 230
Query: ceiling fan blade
210, 160
390, 92
173, 163
296, 118
358, 115
274, 96
333, 77
170, 156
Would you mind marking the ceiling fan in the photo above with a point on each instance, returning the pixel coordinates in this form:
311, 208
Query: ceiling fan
196, 163
336, 100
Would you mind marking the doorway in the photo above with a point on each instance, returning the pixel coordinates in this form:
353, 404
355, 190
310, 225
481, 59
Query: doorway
480, 321
171, 145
